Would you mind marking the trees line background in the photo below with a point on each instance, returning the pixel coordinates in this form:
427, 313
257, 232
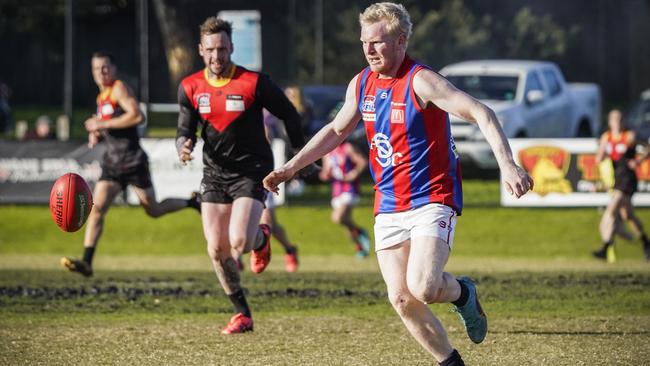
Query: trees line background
603, 41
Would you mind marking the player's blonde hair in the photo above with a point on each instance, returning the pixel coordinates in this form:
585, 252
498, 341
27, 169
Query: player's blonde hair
399, 20
214, 25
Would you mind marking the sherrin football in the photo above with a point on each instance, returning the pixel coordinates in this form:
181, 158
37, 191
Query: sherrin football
70, 202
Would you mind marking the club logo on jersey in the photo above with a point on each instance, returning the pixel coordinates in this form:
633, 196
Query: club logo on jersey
235, 103
106, 110
385, 155
368, 108
368, 104
203, 101
396, 116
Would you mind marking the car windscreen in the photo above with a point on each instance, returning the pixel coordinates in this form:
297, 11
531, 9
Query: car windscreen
486, 87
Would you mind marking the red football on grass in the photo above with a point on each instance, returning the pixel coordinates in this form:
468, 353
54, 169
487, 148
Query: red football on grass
70, 202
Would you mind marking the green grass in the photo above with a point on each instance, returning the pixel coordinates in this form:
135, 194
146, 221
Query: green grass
155, 300
313, 318
484, 229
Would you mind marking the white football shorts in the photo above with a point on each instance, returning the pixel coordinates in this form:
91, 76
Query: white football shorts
345, 198
430, 220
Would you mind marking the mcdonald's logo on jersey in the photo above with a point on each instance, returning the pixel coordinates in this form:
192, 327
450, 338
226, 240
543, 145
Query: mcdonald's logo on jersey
396, 116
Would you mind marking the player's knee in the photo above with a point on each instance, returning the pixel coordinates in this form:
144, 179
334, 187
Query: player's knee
97, 213
336, 218
426, 291
401, 301
238, 241
152, 210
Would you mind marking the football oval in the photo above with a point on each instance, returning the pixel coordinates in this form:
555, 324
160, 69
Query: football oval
70, 202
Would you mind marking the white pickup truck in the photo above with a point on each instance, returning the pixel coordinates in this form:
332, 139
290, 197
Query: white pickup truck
530, 99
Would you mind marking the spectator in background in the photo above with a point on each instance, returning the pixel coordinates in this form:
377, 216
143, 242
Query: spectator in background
620, 145
42, 129
124, 163
6, 123
343, 166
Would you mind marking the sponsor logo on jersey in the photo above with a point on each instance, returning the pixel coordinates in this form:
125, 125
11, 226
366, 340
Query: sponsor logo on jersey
385, 155
368, 117
442, 224
383, 95
396, 116
235, 103
106, 110
203, 100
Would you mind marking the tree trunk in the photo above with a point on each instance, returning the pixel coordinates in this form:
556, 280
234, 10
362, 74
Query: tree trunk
177, 42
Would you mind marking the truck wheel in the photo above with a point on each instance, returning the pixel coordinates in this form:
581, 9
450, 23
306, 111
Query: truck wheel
584, 130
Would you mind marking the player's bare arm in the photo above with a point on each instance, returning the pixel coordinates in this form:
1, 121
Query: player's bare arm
634, 163
186, 127
323, 142
433, 88
602, 145
325, 172
129, 118
360, 164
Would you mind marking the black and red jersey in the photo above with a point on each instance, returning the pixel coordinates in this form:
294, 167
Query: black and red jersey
229, 113
621, 146
123, 151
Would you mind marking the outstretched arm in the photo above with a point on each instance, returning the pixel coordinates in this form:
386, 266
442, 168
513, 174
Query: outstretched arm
323, 142
602, 144
432, 88
360, 163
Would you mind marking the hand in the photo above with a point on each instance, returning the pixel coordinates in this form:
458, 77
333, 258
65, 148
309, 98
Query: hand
517, 181
93, 124
273, 180
350, 176
633, 164
93, 139
185, 151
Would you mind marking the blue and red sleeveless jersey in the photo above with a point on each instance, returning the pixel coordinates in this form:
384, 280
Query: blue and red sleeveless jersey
341, 164
413, 158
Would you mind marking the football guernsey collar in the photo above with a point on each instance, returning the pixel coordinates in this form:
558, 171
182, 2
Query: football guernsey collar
220, 82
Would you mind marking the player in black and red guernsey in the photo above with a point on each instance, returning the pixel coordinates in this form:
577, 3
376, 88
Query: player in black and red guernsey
124, 162
225, 101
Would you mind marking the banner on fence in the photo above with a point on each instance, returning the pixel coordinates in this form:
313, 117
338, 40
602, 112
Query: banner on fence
566, 174
29, 168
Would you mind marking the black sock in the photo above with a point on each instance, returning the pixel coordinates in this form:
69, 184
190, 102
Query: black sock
607, 244
238, 299
453, 360
464, 294
290, 249
645, 240
89, 252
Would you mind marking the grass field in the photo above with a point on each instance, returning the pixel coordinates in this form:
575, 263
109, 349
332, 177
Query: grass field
154, 299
